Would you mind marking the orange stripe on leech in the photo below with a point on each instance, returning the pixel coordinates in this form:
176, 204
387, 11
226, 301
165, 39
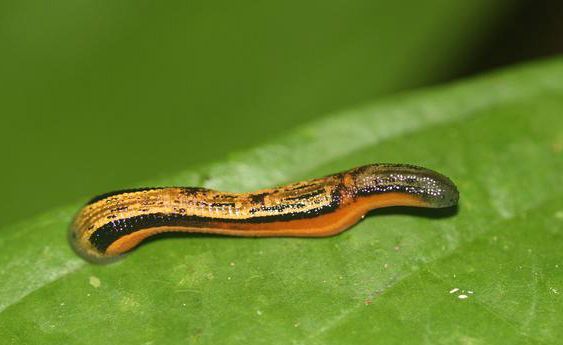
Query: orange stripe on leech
390, 199
323, 225
128, 242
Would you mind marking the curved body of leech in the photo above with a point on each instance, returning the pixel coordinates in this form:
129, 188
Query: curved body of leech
114, 223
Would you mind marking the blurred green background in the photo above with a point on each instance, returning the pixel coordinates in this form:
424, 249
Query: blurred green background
96, 96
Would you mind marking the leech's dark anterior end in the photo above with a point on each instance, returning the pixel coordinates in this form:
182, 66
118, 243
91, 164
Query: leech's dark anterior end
113, 223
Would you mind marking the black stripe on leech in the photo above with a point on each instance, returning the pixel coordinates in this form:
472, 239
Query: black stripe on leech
222, 204
275, 208
307, 195
104, 236
112, 231
258, 198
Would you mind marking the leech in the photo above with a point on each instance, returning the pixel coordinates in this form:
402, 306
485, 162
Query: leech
114, 223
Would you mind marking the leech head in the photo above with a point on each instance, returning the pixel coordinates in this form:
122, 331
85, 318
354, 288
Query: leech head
430, 188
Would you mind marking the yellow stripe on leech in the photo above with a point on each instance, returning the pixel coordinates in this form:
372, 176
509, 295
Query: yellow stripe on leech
325, 225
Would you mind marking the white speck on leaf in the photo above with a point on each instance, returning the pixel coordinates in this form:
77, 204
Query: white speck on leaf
95, 281
462, 296
454, 290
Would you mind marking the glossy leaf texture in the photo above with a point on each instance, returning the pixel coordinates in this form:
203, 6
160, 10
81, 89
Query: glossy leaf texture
489, 272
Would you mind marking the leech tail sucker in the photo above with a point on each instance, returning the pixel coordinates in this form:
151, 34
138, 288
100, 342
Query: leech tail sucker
113, 223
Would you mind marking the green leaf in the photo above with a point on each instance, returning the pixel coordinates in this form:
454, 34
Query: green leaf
397, 277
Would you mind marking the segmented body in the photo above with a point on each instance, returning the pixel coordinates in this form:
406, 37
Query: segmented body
113, 223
